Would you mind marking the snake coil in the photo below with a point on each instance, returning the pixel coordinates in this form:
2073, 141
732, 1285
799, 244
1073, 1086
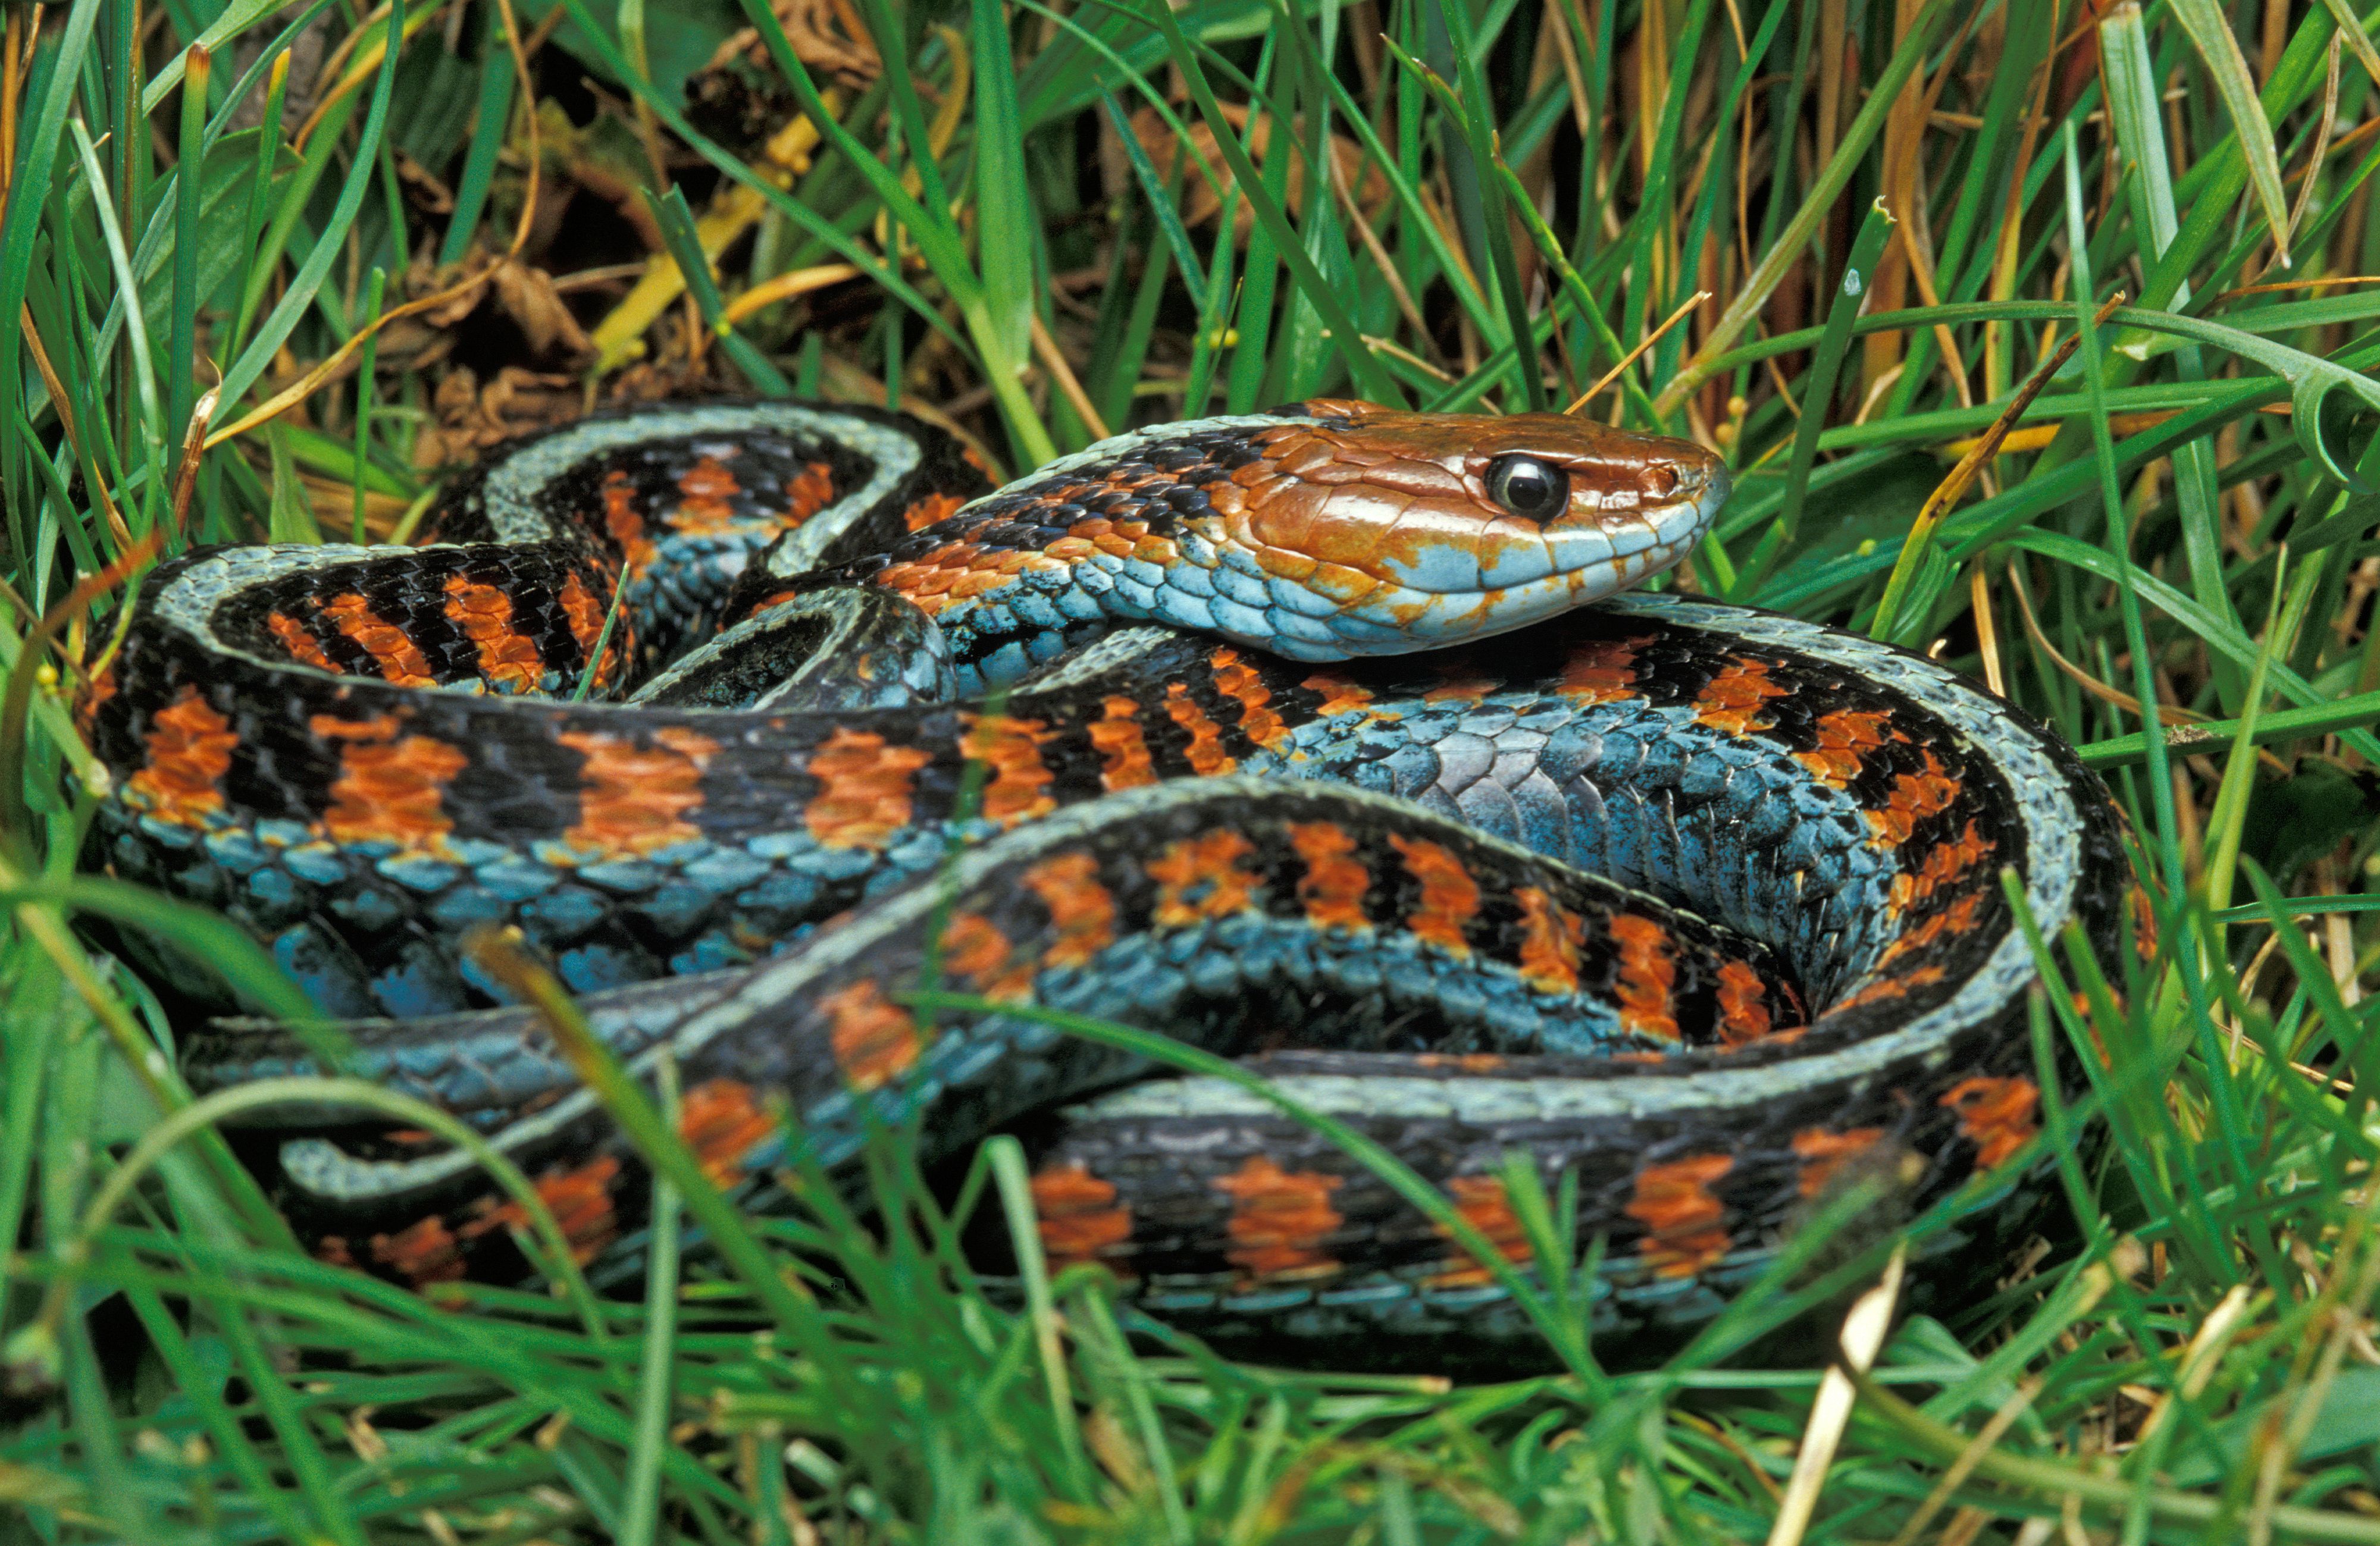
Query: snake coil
1697, 907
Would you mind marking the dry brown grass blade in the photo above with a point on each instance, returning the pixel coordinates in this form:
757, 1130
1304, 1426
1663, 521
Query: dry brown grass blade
194, 452
1053, 359
58, 404
1632, 356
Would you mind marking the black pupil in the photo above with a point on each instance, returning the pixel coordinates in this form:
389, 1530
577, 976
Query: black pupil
1527, 487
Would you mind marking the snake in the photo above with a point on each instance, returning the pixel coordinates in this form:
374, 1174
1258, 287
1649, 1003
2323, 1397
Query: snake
1331, 740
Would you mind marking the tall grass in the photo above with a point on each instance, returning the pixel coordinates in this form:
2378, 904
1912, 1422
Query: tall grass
1831, 240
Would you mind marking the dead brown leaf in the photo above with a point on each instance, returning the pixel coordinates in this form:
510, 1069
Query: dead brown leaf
528, 297
827, 35
521, 290
471, 418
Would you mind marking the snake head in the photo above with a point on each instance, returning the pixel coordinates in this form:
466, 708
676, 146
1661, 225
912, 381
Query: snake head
1378, 532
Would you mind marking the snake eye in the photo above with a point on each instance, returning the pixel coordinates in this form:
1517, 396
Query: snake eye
1532, 490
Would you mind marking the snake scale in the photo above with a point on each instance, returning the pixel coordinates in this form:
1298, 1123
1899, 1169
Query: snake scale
1321, 737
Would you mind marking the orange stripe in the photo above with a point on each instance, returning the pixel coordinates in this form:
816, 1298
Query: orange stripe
1944, 863
1235, 679
1018, 789
624, 518
1881, 990
1549, 941
1332, 890
1823, 1154
1957, 918
1602, 671
865, 788
722, 1120
1281, 1220
509, 660
1082, 911
1200, 878
303, 648
1997, 1113
874, 1041
1845, 737
390, 788
980, 956
580, 1201
634, 799
1338, 694
1123, 751
1077, 1216
400, 660
1462, 689
1743, 1004
1685, 1225
585, 612
932, 510
190, 748
705, 491
1450, 898
423, 1251
1735, 698
1914, 797
1482, 1202
1205, 749
1647, 975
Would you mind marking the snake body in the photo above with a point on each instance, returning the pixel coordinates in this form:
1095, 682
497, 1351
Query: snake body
1698, 907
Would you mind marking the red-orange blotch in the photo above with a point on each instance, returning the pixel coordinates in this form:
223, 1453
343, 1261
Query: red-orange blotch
1282, 1220
1685, 1222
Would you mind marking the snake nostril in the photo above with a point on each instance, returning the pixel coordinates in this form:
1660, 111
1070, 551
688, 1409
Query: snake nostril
1659, 480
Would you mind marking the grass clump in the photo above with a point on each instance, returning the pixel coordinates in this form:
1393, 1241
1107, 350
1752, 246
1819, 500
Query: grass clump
273, 270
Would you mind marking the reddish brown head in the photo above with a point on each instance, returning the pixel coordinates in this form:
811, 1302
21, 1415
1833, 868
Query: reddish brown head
1423, 529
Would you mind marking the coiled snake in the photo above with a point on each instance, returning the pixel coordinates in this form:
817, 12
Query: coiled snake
1693, 904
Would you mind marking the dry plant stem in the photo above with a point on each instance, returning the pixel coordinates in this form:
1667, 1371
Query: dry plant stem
1955, 1477
1987, 633
2167, 714
2320, 151
2281, 285
194, 449
1395, 350
1380, 254
1863, 1337
1053, 359
1581, 114
784, 287
2009, 248
355, 75
2200, 1359
11, 44
58, 391
1762, 282
1632, 356
1954, 364
1947, 493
